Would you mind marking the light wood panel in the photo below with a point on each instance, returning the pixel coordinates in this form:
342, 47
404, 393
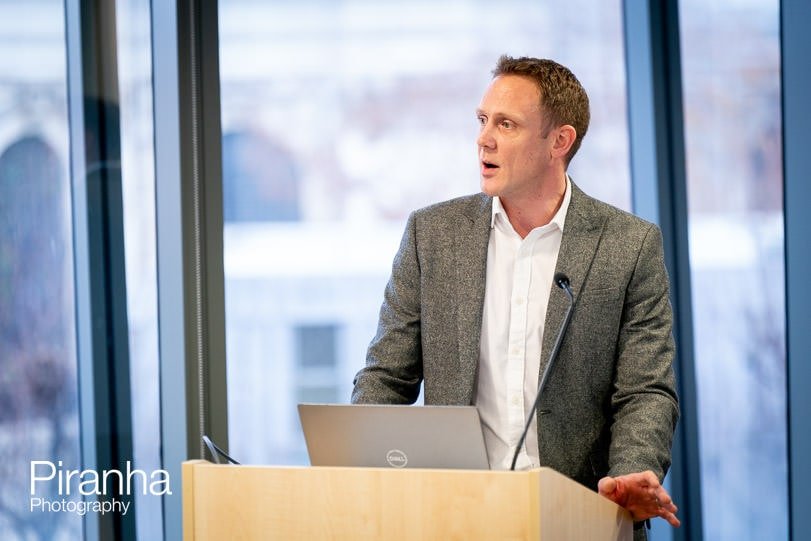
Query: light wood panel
253, 502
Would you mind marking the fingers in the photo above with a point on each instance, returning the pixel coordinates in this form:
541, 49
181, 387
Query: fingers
670, 517
606, 486
641, 494
664, 500
666, 508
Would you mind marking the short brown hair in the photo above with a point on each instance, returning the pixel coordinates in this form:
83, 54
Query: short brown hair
562, 96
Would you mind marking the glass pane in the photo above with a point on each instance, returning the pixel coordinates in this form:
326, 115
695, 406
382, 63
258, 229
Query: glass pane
138, 193
316, 346
731, 63
339, 118
38, 389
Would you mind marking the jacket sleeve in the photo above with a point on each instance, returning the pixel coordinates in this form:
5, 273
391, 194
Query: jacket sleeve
393, 371
644, 401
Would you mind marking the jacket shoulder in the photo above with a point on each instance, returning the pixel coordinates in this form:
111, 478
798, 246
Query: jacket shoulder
471, 206
614, 217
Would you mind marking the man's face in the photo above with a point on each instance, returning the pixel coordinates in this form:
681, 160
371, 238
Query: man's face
514, 151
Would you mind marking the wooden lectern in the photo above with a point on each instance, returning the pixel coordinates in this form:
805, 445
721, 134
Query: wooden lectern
312, 503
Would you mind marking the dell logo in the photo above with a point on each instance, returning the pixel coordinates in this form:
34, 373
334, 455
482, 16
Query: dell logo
396, 458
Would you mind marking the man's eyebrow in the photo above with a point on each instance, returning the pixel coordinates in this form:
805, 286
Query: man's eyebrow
496, 114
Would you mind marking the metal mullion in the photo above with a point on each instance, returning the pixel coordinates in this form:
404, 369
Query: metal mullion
653, 61
189, 235
98, 228
796, 87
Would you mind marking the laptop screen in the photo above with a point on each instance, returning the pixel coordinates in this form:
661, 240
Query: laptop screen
394, 436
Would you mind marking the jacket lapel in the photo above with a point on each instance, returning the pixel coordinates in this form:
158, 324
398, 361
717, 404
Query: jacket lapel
578, 246
581, 236
470, 258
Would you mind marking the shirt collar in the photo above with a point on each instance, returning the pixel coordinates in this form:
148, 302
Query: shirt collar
558, 219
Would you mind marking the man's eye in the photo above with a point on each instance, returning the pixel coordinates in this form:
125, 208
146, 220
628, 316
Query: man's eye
482, 120
507, 124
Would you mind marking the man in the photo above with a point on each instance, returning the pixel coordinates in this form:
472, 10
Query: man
470, 309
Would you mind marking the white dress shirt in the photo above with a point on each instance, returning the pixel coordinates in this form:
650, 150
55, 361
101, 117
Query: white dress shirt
518, 284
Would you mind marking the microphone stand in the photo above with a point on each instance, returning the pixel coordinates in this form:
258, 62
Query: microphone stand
562, 281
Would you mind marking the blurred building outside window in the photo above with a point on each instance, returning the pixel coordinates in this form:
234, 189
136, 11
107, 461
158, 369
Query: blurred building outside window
731, 81
38, 388
340, 118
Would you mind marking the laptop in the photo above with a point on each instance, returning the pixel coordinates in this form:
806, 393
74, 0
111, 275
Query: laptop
393, 436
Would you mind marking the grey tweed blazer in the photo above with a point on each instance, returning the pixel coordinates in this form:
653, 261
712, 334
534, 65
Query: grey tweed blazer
610, 405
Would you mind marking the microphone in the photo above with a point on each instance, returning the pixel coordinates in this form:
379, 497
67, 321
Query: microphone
216, 452
562, 281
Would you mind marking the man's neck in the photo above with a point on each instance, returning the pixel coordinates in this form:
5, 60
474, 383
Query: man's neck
527, 213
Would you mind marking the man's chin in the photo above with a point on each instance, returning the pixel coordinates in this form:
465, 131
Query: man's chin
489, 188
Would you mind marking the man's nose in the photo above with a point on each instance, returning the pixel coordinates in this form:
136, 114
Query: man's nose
486, 139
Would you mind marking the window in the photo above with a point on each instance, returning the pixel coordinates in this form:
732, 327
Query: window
38, 389
315, 346
340, 117
731, 78
260, 180
138, 198
316, 364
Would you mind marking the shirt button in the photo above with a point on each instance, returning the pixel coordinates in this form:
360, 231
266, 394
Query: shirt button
515, 401
519, 301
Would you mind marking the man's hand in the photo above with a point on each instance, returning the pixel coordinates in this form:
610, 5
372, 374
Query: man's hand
641, 494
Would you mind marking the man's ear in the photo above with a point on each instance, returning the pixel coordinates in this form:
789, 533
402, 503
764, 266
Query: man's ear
564, 139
